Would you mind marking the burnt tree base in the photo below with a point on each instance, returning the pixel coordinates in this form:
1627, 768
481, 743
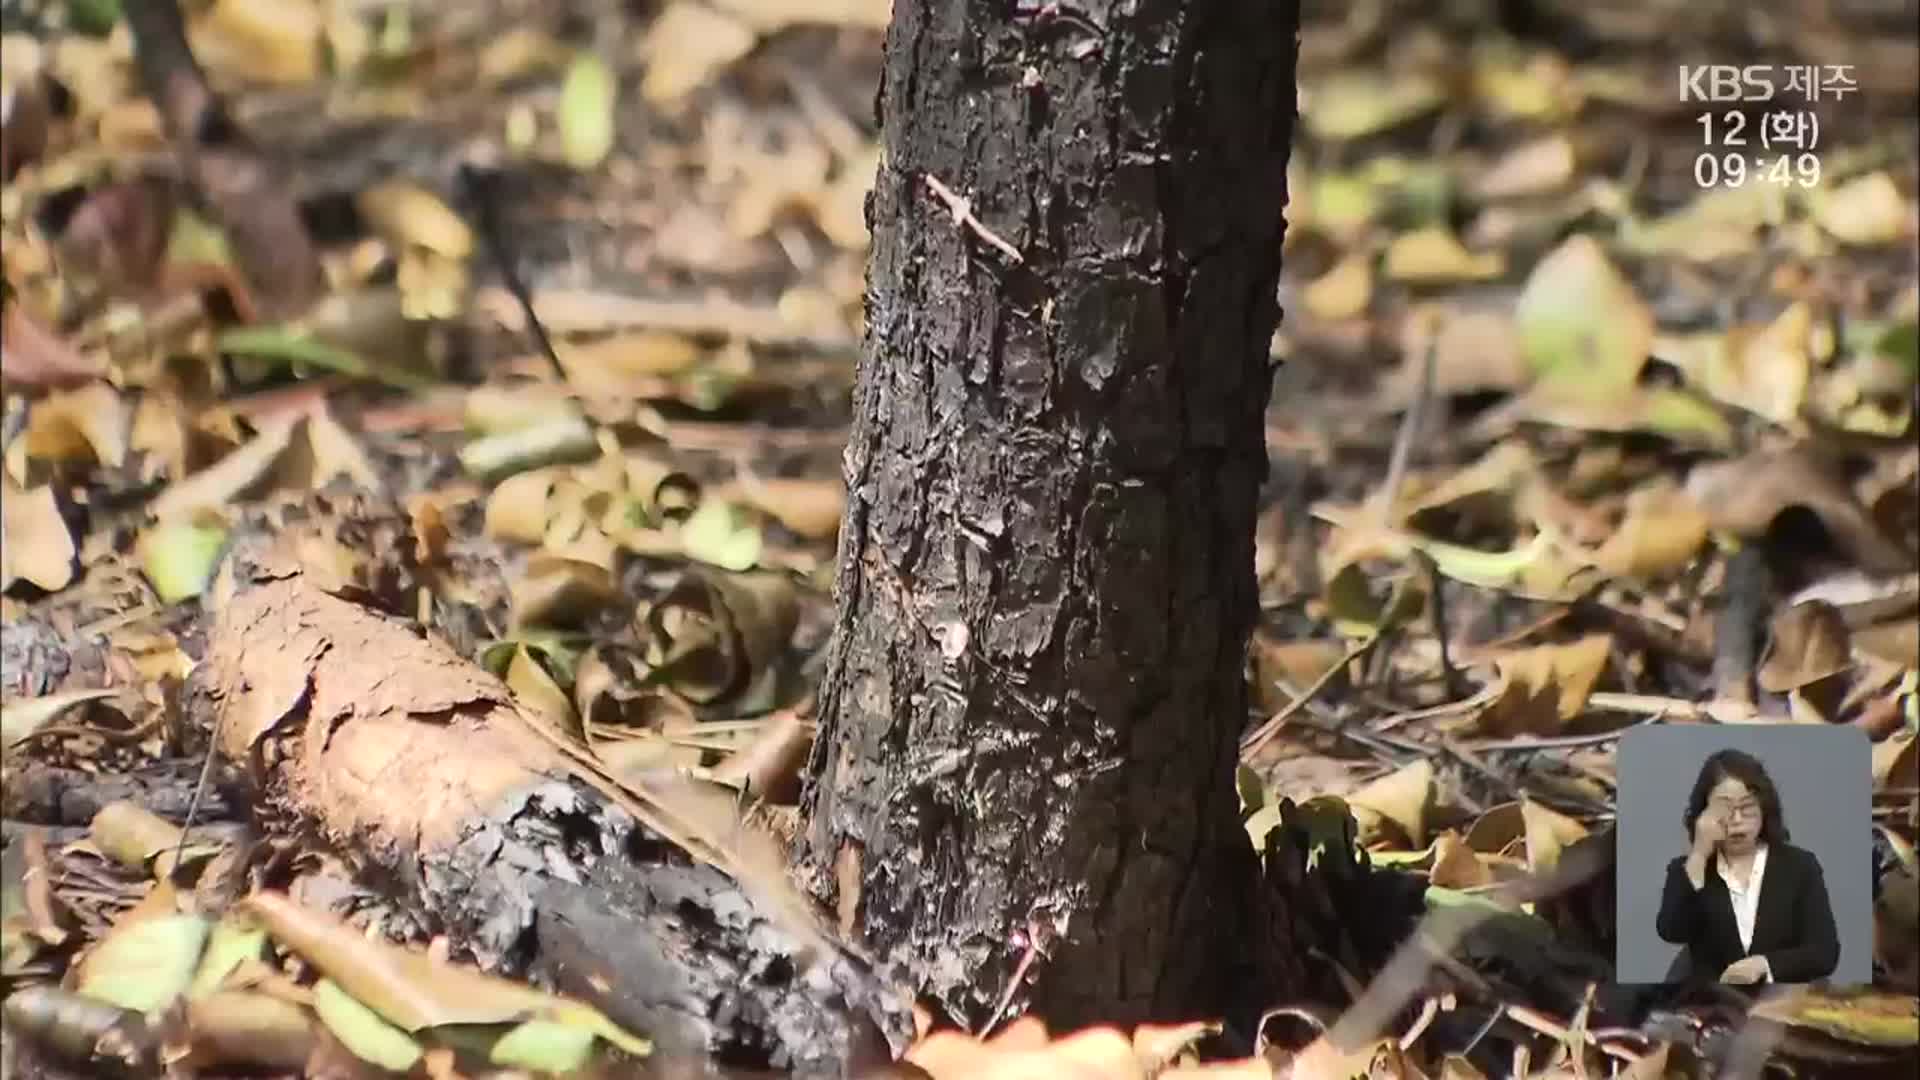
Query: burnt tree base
1029, 717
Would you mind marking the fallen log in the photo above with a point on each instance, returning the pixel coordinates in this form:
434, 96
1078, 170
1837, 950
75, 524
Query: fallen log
359, 733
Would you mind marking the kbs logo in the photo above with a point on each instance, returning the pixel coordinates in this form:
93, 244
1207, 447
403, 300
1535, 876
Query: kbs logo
1726, 82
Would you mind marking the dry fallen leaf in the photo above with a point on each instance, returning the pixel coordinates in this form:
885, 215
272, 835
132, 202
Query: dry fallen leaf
1548, 832
1581, 322
1540, 167
1402, 797
1809, 642
1865, 212
1545, 686
91, 423
33, 357
1763, 369
1344, 291
686, 45
1435, 256
36, 546
1744, 496
1661, 533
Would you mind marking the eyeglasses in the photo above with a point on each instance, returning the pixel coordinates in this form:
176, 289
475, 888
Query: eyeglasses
1740, 810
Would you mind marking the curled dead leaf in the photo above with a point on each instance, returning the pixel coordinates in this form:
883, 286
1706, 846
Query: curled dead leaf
1809, 642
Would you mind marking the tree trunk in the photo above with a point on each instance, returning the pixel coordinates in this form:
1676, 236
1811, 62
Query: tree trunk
1045, 575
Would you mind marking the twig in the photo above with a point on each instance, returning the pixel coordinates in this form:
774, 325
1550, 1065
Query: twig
1403, 440
1037, 940
1264, 734
1428, 1009
587, 310
1534, 742
962, 211
1450, 708
482, 188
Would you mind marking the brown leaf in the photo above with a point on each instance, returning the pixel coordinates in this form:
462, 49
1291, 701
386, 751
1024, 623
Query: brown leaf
517, 506
1498, 829
248, 1028
1545, 686
1809, 643
404, 986
1896, 762
35, 544
557, 591
227, 480
1744, 496
35, 358
120, 233
1022, 1053
130, 834
1539, 167
769, 767
1661, 533
1380, 1059
1156, 1046
809, 508
90, 423
1764, 369
535, 689
1457, 865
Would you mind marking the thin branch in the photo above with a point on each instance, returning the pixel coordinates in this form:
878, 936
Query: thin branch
1264, 734
962, 210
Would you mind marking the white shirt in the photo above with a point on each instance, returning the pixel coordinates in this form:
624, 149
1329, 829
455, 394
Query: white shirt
1745, 895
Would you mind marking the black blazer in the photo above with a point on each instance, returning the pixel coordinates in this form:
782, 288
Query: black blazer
1792, 928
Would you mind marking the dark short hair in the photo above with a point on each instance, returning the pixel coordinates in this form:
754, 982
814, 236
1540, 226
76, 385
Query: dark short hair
1744, 767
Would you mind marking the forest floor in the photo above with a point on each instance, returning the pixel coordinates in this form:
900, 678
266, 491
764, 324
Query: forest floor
1596, 415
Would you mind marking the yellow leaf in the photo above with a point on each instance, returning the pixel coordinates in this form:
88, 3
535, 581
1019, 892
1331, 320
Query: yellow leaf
1548, 832
1545, 686
408, 214
688, 44
1342, 292
1402, 797
1865, 212
1435, 255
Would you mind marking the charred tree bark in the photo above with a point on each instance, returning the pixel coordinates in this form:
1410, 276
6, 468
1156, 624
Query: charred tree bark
1045, 575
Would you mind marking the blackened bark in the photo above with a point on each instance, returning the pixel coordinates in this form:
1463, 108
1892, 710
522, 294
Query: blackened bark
1045, 576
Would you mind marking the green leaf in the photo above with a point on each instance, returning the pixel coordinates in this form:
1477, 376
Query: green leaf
545, 1046
296, 348
1901, 343
720, 534
587, 111
361, 1030
179, 557
144, 965
1253, 793
1486, 569
1580, 321
93, 17
235, 940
